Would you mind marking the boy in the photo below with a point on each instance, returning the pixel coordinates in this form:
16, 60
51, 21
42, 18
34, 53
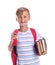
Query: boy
25, 40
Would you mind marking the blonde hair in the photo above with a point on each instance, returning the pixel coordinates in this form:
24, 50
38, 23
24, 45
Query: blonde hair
20, 11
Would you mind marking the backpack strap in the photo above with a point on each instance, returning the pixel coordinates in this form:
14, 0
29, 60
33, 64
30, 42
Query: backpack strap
34, 33
13, 55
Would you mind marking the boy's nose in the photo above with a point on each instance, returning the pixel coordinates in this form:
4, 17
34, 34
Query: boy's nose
22, 20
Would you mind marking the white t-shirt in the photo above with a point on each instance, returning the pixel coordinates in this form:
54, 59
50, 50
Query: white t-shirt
25, 51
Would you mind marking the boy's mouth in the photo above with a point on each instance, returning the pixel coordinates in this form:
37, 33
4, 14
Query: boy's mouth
22, 24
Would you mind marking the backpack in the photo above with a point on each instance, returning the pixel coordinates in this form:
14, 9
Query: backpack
13, 53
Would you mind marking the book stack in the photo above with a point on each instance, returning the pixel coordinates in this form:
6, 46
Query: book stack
40, 47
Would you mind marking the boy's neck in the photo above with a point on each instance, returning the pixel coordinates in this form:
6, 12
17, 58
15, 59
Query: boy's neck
23, 29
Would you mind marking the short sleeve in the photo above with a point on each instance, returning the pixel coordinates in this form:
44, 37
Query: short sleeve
38, 36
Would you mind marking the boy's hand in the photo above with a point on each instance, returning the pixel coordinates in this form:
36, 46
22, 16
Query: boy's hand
13, 36
10, 47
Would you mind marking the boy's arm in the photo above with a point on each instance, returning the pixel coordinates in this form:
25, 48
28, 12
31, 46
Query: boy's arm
38, 36
10, 46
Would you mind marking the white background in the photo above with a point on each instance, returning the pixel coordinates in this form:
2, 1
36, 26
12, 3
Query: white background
42, 19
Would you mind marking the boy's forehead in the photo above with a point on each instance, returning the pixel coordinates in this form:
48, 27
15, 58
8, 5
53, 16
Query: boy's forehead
22, 13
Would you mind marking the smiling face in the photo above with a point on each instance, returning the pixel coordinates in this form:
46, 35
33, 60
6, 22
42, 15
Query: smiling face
23, 18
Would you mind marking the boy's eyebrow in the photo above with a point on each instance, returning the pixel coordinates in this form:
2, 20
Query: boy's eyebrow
19, 15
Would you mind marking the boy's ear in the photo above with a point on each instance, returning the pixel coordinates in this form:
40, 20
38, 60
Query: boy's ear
16, 19
29, 18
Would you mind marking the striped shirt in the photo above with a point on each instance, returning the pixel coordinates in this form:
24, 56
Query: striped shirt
25, 51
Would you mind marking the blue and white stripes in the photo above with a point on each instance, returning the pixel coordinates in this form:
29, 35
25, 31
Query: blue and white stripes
25, 52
